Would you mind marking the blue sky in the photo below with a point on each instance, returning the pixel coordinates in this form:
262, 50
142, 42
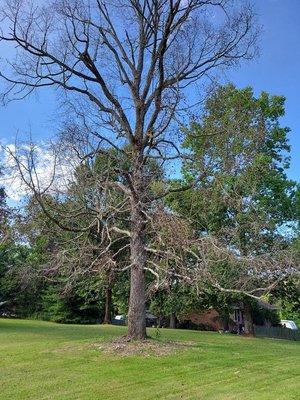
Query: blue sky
276, 71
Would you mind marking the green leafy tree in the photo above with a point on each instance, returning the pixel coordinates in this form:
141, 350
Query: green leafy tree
239, 153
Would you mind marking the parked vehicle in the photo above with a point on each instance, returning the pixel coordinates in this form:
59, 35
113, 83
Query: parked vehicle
151, 320
7, 314
289, 324
119, 320
4, 313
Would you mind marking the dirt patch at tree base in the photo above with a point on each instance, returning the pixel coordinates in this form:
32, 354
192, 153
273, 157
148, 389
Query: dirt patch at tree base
146, 348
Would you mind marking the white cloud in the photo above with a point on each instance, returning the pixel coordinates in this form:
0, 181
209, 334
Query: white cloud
50, 172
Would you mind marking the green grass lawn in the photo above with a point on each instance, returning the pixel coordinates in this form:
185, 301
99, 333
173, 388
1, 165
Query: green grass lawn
42, 360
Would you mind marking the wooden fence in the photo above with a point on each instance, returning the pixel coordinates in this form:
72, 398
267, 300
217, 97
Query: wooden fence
277, 332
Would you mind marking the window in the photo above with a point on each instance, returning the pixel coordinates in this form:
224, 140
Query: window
238, 316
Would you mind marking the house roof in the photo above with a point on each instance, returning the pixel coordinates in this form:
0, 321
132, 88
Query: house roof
266, 305
262, 303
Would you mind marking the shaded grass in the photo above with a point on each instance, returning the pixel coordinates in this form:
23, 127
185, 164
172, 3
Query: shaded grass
42, 360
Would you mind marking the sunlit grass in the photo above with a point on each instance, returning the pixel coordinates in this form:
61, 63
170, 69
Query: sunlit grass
42, 360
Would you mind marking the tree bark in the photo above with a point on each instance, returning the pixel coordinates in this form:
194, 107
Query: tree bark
137, 311
173, 321
160, 321
108, 304
225, 321
248, 319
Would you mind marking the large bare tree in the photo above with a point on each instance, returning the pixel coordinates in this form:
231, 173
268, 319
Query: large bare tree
129, 70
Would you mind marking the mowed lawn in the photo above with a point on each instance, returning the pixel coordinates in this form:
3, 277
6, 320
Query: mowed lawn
42, 360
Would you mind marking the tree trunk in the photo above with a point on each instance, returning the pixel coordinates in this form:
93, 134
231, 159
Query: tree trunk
173, 320
160, 321
225, 321
137, 311
108, 304
248, 320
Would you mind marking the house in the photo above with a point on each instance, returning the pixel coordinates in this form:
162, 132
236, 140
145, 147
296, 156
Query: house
208, 320
241, 319
245, 315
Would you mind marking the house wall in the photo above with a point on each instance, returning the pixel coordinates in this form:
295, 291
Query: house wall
209, 318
